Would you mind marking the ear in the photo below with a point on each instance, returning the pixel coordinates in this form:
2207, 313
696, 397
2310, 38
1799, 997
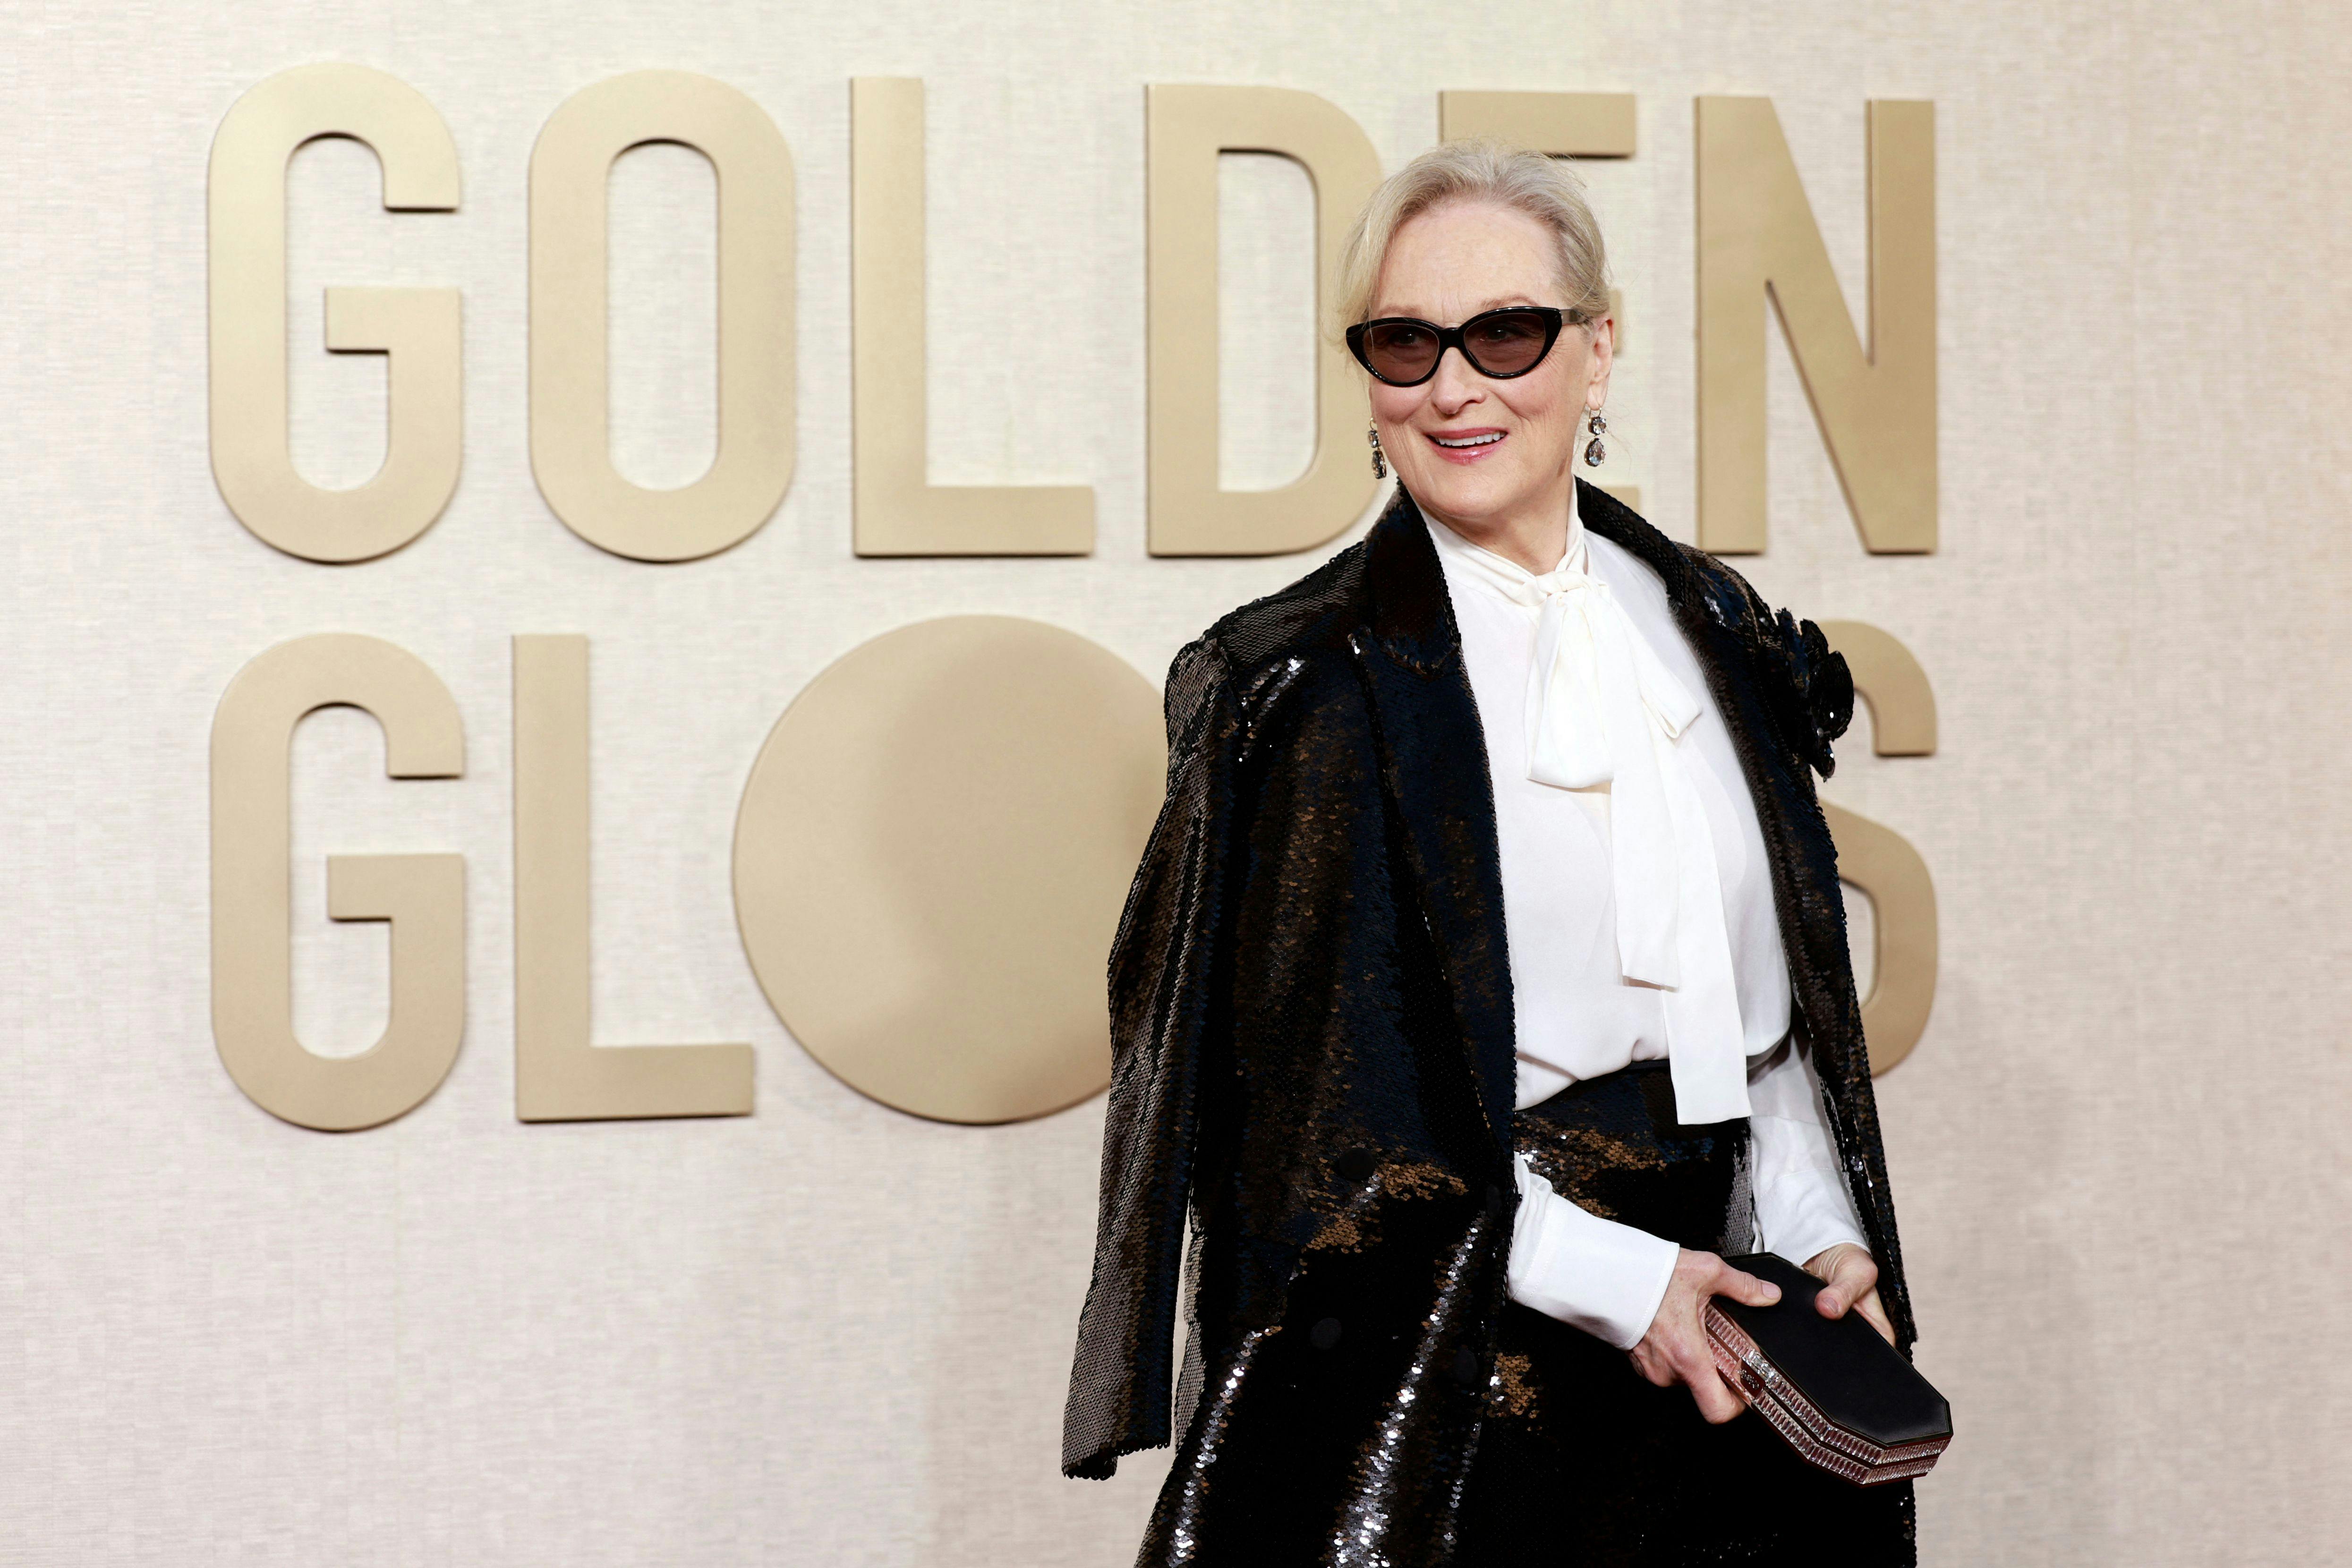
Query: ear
1602, 332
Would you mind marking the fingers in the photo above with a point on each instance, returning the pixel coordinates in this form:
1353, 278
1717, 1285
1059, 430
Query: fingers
1690, 1361
1676, 1348
1715, 1399
1874, 1312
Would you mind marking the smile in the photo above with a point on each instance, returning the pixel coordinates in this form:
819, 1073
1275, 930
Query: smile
1484, 439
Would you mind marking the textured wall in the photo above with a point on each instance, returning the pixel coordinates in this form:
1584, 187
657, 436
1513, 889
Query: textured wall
833, 1334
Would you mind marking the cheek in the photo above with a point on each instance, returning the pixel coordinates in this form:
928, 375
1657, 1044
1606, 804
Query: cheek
1396, 404
1552, 394
1549, 416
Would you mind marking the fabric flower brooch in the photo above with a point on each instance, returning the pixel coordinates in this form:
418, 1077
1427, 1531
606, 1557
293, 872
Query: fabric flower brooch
1811, 688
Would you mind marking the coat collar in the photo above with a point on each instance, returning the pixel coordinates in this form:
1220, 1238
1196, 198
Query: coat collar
1433, 769
1411, 614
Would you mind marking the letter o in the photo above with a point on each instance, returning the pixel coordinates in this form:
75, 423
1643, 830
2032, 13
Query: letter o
932, 855
571, 449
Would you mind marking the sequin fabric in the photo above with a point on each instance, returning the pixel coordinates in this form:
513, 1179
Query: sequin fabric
1312, 1070
1612, 1145
1581, 1462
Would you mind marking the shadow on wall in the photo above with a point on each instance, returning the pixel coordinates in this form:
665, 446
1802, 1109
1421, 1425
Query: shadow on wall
999, 1369
2010, 1339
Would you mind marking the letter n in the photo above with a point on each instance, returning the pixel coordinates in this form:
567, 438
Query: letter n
1875, 407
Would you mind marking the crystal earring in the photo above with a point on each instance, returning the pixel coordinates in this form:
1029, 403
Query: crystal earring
1595, 454
1380, 458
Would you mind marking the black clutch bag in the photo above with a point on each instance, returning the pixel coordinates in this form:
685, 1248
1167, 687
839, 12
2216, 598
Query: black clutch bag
1842, 1397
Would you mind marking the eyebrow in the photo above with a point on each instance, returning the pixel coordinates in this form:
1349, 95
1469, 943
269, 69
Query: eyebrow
1498, 302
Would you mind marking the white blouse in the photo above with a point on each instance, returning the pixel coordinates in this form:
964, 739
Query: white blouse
1576, 1013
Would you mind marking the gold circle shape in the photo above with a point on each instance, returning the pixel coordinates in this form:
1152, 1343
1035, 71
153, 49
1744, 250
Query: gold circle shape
932, 855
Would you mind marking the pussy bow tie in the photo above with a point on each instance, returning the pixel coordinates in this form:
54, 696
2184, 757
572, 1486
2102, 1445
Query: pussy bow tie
1602, 708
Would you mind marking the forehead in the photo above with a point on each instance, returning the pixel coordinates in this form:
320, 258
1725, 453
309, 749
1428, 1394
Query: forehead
1457, 259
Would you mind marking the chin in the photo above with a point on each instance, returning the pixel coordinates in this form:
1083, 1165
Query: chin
1467, 497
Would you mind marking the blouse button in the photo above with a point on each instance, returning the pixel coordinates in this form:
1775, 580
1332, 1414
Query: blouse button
1465, 1367
1325, 1334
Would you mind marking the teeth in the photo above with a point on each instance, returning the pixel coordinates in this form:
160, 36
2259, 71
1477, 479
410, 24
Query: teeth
1470, 441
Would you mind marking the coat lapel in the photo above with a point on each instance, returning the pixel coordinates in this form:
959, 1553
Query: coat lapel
1434, 768
1712, 615
1718, 618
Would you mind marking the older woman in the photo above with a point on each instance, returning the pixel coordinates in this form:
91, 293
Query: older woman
1484, 983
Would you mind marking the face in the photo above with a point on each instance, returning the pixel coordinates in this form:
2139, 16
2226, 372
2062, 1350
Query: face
1494, 460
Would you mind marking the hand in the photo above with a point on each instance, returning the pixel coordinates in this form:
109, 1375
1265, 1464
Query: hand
1851, 1276
1675, 1348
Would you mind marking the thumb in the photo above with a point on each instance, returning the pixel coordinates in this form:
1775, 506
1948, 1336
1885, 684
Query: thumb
1746, 1290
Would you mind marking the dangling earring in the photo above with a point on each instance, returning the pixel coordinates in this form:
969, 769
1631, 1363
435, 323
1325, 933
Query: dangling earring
1380, 458
1595, 454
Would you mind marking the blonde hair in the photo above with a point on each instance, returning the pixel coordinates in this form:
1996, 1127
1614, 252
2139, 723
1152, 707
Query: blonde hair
1544, 188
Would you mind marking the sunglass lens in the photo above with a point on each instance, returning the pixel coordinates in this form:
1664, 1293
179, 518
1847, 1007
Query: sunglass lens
1399, 351
1505, 343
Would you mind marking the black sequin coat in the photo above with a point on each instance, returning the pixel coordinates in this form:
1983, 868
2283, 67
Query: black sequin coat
1312, 1032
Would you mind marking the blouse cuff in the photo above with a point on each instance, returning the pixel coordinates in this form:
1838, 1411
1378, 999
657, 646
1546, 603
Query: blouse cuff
1591, 1273
1803, 1212
1801, 1204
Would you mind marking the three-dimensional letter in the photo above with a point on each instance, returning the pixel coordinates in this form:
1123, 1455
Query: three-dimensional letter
1881, 861
245, 225
560, 1076
1876, 409
1190, 512
422, 895
570, 438
898, 511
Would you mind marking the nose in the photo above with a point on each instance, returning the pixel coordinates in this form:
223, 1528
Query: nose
1455, 386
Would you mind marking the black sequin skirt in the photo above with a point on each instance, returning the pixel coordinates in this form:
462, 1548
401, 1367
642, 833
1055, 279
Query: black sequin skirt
1581, 1460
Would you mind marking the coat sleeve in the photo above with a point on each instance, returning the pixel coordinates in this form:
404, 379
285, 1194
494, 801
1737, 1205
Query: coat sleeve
1161, 1005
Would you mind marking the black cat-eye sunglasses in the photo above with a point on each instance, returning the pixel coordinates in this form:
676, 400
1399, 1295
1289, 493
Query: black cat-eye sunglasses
1403, 351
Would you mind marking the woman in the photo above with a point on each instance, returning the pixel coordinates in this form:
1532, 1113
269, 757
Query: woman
1484, 983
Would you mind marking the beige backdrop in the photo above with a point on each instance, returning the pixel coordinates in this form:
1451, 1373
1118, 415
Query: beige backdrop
833, 1334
